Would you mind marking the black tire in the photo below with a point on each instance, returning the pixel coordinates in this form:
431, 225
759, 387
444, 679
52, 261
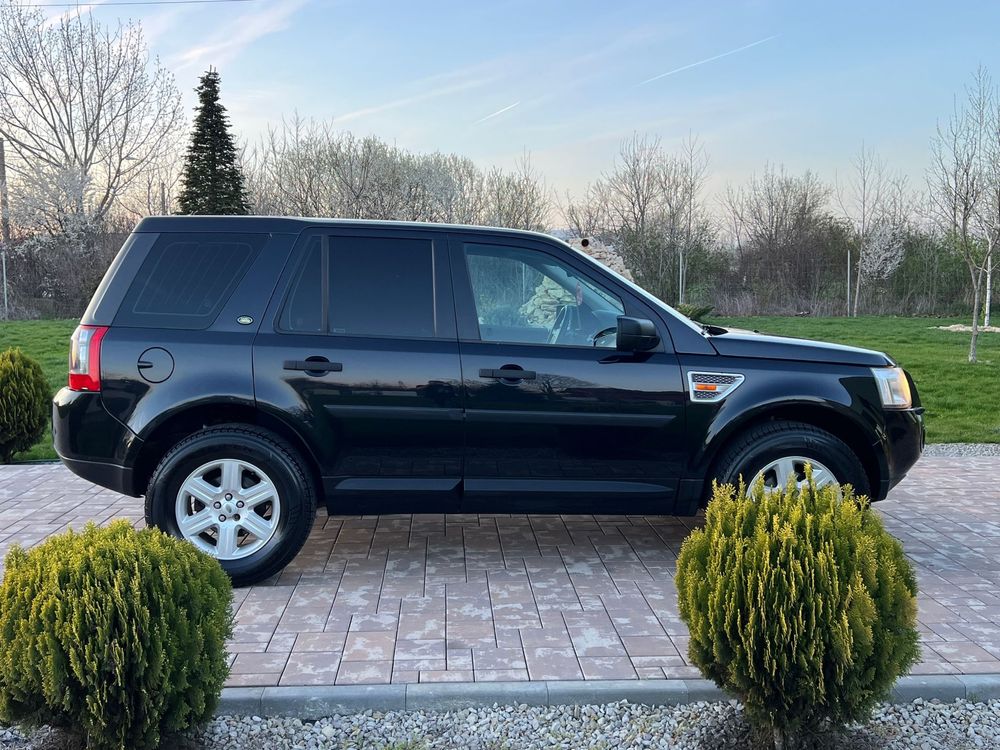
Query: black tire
753, 449
271, 454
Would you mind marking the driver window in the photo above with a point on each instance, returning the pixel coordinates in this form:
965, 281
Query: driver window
529, 297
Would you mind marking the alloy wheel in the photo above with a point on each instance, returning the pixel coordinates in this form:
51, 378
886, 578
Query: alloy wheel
228, 508
778, 473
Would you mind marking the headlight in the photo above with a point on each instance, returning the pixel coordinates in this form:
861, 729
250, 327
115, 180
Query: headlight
893, 387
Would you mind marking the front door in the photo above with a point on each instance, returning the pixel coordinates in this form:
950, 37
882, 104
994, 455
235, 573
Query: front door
557, 420
361, 351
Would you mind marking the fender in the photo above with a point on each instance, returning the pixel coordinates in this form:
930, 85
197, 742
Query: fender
840, 399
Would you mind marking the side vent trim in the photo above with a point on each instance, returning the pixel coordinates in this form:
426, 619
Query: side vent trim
712, 387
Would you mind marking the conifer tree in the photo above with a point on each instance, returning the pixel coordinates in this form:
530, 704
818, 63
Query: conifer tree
212, 178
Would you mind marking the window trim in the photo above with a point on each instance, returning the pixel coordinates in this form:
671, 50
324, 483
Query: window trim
465, 305
444, 325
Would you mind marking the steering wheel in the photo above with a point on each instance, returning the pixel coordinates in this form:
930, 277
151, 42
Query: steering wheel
601, 334
559, 324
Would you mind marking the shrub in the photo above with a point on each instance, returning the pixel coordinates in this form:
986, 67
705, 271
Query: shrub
695, 312
799, 603
113, 634
24, 403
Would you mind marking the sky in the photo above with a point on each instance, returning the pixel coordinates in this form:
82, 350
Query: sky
801, 84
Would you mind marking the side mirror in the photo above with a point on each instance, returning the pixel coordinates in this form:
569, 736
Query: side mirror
636, 335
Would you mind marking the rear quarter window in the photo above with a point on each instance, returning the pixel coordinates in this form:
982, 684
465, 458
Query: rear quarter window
186, 279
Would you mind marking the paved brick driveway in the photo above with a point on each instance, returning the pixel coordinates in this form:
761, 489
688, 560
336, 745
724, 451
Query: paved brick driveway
500, 598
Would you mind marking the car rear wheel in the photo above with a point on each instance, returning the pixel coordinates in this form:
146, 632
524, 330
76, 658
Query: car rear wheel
777, 453
237, 493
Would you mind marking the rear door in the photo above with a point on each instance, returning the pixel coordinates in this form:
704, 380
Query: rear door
361, 351
556, 418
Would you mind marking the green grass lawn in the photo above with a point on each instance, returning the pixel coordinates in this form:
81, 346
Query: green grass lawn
962, 400
48, 342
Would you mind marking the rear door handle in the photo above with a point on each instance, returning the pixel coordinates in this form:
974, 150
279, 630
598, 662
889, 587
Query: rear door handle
507, 374
313, 365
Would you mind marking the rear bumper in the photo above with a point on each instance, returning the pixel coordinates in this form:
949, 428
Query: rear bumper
903, 442
90, 442
112, 476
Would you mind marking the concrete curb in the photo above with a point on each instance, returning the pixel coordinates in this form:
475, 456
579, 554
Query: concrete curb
309, 703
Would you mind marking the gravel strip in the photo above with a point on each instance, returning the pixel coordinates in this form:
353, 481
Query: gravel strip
959, 450
927, 725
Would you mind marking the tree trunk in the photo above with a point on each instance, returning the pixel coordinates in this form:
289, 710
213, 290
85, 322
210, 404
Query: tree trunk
988, 302
857, 283
973, 343
779, 739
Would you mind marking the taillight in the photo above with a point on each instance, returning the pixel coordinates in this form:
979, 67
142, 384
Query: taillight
85, 358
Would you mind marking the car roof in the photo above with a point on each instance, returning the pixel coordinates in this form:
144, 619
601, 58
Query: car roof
295, 224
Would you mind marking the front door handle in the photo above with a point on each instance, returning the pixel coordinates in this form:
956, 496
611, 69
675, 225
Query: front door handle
507, 374
317, 365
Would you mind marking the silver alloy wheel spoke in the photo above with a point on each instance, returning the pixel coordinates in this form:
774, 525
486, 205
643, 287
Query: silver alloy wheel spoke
777, 474
254, 496
225, 543
228, 508
197, 523
256, 525
232, 475
201, 490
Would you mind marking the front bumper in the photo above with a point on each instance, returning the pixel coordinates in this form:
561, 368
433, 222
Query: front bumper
90, 442
902, 442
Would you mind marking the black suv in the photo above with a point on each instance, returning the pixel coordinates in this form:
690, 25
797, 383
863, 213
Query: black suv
239, 372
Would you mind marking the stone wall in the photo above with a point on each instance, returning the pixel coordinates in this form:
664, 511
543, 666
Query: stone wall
541, 309
603, 254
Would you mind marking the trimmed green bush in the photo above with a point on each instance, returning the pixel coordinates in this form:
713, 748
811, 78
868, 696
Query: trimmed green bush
113, 634
695, 312
800, 604
24, 403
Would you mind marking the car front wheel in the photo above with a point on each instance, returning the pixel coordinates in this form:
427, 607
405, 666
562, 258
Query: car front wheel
237, 493
777, 453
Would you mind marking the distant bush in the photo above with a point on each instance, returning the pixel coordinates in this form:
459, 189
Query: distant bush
799, 603
115, 635
24, 403
695, 312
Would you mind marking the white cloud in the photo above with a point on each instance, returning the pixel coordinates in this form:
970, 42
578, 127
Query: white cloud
508, 108
413, 99
54, 19
240, 33
707, 60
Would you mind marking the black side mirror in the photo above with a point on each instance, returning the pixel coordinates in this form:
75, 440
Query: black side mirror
636, 335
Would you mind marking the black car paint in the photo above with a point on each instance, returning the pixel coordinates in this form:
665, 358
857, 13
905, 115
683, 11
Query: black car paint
408, 425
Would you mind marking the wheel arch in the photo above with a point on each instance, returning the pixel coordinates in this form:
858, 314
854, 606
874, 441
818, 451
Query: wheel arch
167, 432
839, 422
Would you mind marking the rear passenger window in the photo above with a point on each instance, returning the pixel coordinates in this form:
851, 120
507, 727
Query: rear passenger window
187, 278
367, 286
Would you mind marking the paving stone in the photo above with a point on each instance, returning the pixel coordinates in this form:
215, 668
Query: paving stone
496, 598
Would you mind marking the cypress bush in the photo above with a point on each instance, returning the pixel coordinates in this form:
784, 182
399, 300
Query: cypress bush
24, 403
695, 312
800, 603
115, 635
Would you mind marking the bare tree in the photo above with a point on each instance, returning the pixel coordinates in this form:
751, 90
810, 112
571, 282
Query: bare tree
985, 109
518, 199
649, 208
302, 167
959, 186
874, 202
84, 110
784, 237
692, 166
